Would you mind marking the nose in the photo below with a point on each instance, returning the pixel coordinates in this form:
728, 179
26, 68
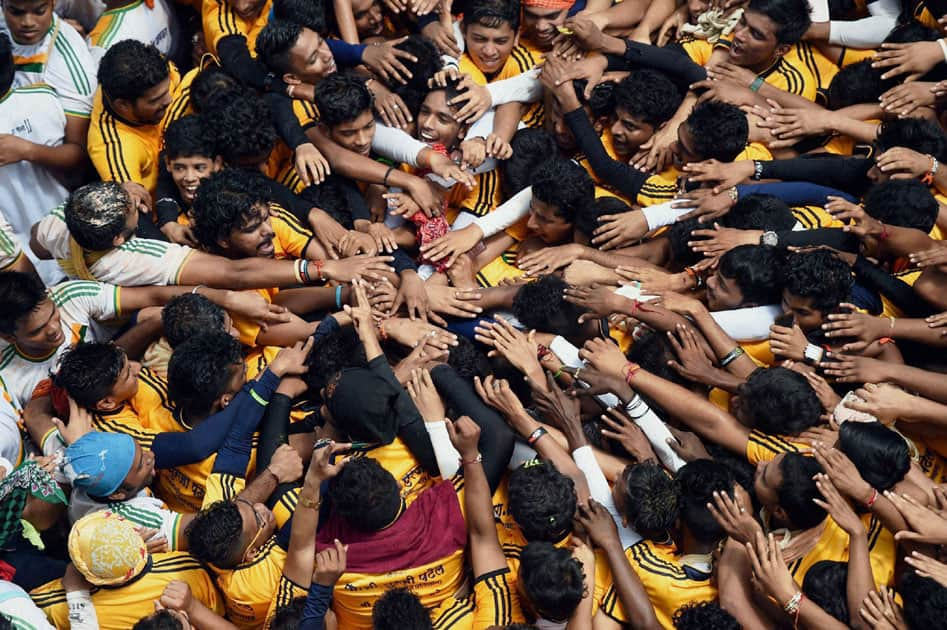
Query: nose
531, 223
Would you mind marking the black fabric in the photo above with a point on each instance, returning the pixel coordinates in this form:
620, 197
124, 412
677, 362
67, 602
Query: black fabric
620, 176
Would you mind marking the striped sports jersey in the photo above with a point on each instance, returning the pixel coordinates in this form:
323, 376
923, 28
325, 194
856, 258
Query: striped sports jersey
10, 248
147, 22
494, 602
62, 61
790, 72
143, 510
16, 605
762, 447
520, 60
220, 20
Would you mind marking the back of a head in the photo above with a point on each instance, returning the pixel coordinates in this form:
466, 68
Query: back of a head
925, 601
564, 184
333, 353
467, 359
532, 147
289, 616
855, 84
312, 15
275, 42
648, 95
161, 620
781, 400
818, 275
719, 130
790, 16
586, 219
542, 501
679, 235
95, 214
704, 616
20, 294
904, 203
651, 499
188, 137
365, 495
331, 197
880, 454
223, 202
493, 13
756, 270
241, 127
210, 84
917, 134
825, 584
200, 370
7, 65
130, 68
798, 489
213, 537
341, 97
427, 64
552, 580
400, 608
189, 315
89, 371
759, 212
541, 306
601, 103
697, 481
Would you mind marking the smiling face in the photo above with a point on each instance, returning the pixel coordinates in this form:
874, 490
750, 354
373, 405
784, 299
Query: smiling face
187, 172
539, 25
125, 387
356, 134
490, 47
436, 122
28, 20
723, 293
254, 239
369, 18
40, 332
804, 314
149, 108
310, 57
754, 44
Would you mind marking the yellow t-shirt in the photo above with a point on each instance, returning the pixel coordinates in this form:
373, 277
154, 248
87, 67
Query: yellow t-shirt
833, 545
521, 60
812, 217
495, 602
908, 276
220, 20
820, 68
789, 73
762, 447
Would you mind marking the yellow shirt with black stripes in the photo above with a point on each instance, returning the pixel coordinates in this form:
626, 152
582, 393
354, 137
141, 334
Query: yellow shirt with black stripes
669, 583
220, 20
181, 104
763, 447
122, 150
820, 68
788, 72
120, 608
494, 603
814, 217
139, 415
520, 60
281, 166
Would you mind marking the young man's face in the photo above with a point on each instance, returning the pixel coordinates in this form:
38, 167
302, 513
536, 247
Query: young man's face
539, 25
254, 239
683, 148
142, 472
546, 223
126, 385
369, 19
259, 525
488, 47
723, 293
803, 313
39, 333
356, 134
629, 133
149, 108
767, 481
310, 57
187, 172
436, 122
28, 20
754, 43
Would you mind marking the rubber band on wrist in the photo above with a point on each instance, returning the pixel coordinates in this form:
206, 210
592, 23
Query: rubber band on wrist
871, 500
732, 356
630, 370
338, 297
928, 177
297, 271
319, 265
535, 435
387, 173
559, 372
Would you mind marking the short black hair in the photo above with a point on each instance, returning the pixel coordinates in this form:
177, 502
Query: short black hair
652, 499
7, 66
331, 196
704, 616
331, 354
275, 41
95, 214
427, 65
552, 579
917, 134
564, 185
312, 15
720, 130
542, 501
188, 137
542, 306
289, 615
818, 275
21, 294
825, 584
467, 360
185, 316
214, 535
161, 620
756, 270
790, 16
587, 216
200, 370
798, 489
400, 608
493, 13
782, 401
224, 202
679, 235
130, 68
532, 147
341, 97
759, 212
210, 84
904, 203
365, 495
241, 126
925, 601
601, 103
697, 481
648, 95
89, 371
880, 454
855, 84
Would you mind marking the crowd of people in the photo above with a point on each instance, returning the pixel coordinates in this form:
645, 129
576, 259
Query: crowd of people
421, 314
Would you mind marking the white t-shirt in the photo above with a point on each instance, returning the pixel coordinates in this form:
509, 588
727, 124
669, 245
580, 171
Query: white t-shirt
11, 440
28, 190
16, 604
62, 61
137, 262
10, 248
157, 26
143, 510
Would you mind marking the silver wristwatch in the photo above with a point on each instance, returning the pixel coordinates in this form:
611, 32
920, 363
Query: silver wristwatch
769, 238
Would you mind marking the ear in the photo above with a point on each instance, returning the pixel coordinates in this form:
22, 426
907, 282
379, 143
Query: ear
107, 404
118, 241
782, 49
780, 513
118, 495
224, 400
600, 123
516, 39
291, 79
123, 107
218, 163
224, 244
167, 163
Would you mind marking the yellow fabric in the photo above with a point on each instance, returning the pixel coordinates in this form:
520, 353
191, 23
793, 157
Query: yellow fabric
820, 68
833, 545
220, 20
396, 458
497, 602
812, 217
181, 102
521, 60
482, 199
140, 416
909, 276
659, 188
286, 592
699, 50
121, 608
762, 447
851, 56
106, 549
253, 586
500, 268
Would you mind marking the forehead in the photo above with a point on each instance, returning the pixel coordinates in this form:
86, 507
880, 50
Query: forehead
759, 22
27, 5
190, 160
537, 13
491, 32
38, 316
308, 42
358, 122
362, 5
436, 100
796, 301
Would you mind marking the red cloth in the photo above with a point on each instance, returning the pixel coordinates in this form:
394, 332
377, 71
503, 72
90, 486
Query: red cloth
430, 529
430, 229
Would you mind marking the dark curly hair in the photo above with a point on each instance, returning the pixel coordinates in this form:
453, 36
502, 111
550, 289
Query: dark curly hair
697, 481
756, 270
161, 620
825, 584
365, 495
89, 371
917, 134
879, 453
400, 608
130, 68
200, 370
214, 535
719, 130
21, 294
225, 202
532, 147
331, 354
587, 217
542, 501
185, 316
820, 276
468, 360
342, 97
210, 84
288, 616
541, 305
564, 185
552, 579
427, 65
791, 17
648, 95
759, 212
903, 202
241, 127
781, 401
704, 616
652, 499
679, 234
925, 601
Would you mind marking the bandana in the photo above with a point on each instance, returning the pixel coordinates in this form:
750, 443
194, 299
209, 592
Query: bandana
25, 481
106, 549
549, 4
430, 229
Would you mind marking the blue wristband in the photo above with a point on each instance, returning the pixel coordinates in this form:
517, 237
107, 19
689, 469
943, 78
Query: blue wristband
338, 297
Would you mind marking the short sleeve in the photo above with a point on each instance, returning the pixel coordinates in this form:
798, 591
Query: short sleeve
762, 447
71, 72
496, 601
53, 234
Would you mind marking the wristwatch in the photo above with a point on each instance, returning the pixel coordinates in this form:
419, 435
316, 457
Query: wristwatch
769, 238
813, 354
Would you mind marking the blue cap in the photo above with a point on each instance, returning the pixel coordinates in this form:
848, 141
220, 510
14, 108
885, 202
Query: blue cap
99, 462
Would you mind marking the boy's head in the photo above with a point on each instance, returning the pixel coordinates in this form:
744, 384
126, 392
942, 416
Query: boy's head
369, 18
227, 533
560, 188
294, 52
98, 376
855, 84
713, 131
109, 466
880, 454
189, 155
345, 107
136, 81
541, 306
231, 215
778, 401
542, 501
917, 134
247, 9
242, 129
904, 203
644, 101
814, 284
552, 581
7, 66
703, 616
747, 275
785, 486
205, 373
400, 608
698, 481
312, 15
185, 316
210, 84
366, 495
825, 584
925, 601
531, 148
28, 20
101, 216
648, 500
490, 30
436, 121
759, 212
30, 319
587, 218
767, 30
540, 19
598, 107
